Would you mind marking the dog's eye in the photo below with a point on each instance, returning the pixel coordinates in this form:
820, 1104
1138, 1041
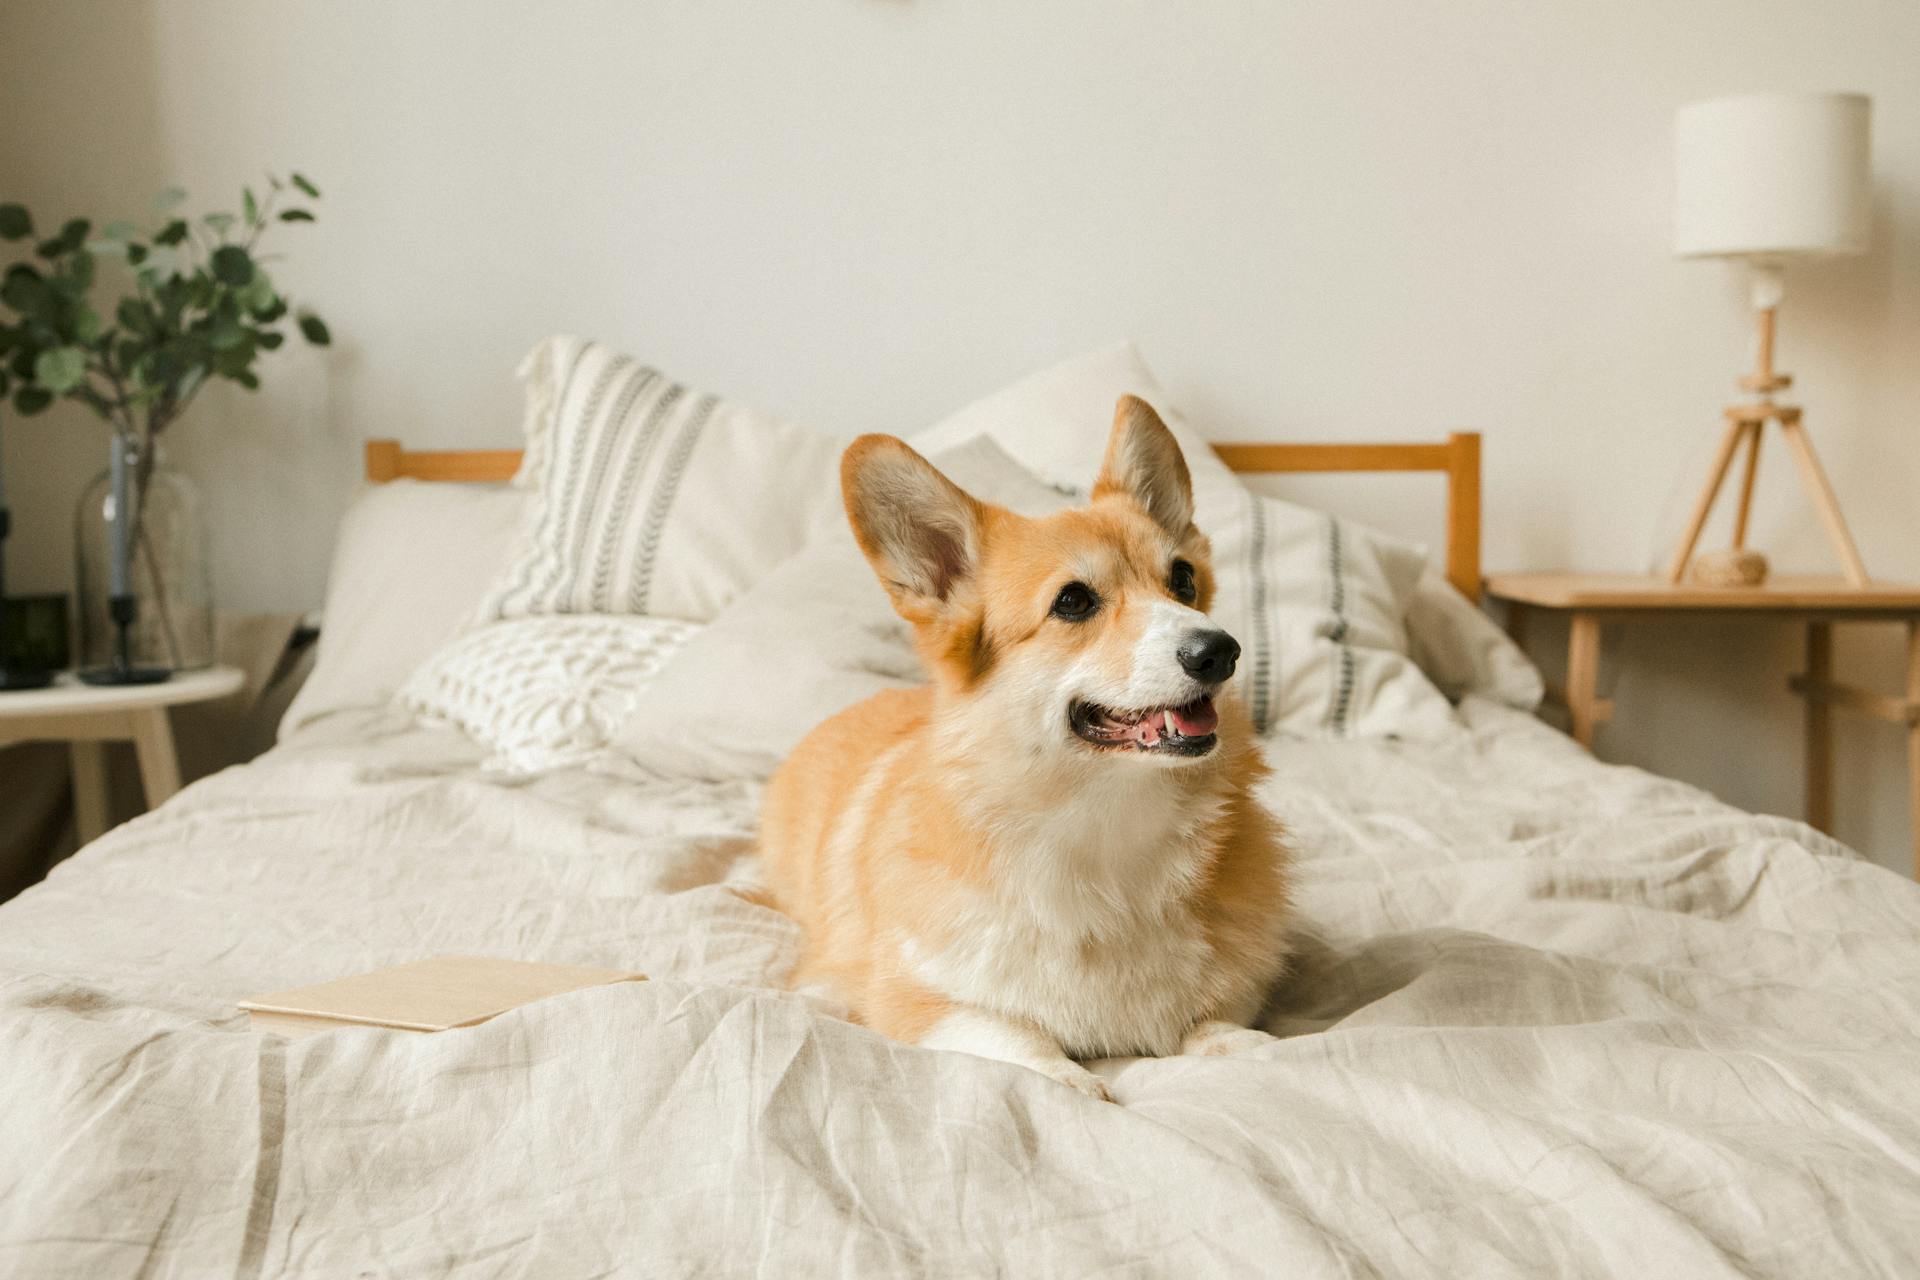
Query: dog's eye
1185, 589
1075, 603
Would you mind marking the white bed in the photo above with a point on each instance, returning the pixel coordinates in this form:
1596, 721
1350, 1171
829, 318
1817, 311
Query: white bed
1547, 1017
1550, 1017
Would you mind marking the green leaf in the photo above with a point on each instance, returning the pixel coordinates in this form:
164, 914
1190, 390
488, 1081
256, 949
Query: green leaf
79, 277
231, 265
227, 333
220, 222
173, 233
314, 329
135, 316
61, 369
107, 249
296, 215
24, 289
267, 339
231, 362
74, 234
31, 400
15, 222
86, 324
249, 206
136, 254
258, 294
168, 199
121, 230
300, 181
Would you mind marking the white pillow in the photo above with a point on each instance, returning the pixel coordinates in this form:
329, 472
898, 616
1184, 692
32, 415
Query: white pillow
649, 497
1463, 652
1323, 636
544, 693
817, 635
410, 565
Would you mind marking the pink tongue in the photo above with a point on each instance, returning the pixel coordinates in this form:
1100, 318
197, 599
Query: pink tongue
1198, 720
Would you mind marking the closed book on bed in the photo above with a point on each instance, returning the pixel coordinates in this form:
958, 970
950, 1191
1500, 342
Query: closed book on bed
428, 995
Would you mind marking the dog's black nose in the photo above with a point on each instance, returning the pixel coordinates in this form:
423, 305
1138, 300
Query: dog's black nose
1208, 656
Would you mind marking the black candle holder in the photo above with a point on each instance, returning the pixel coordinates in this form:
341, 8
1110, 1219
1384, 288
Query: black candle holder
124, 610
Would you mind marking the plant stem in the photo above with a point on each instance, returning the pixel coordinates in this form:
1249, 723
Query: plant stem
143, 477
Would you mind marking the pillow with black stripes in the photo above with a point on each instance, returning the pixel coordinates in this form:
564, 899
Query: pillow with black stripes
649, 497
1319, 604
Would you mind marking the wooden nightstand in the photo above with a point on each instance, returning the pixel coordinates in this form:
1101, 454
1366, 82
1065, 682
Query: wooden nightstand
87, 716
1819, 603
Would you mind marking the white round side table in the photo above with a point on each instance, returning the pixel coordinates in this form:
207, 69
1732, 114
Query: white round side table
86, 717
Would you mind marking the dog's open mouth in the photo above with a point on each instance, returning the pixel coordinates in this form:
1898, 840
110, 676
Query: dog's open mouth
1178, 731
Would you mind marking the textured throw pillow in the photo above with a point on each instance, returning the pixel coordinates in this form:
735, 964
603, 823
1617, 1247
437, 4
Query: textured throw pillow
410, 565
544, 693
813, 638
649, 497
1318, 604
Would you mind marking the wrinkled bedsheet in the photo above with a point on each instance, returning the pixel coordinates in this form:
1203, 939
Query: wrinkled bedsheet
1548, 1017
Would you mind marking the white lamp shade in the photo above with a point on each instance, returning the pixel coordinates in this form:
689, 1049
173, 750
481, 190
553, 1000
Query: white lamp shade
1771, 175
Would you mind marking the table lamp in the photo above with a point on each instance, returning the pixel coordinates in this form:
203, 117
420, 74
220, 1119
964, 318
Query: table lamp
1768, 179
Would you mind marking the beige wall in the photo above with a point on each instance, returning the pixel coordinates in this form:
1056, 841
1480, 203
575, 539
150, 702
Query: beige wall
1336, 220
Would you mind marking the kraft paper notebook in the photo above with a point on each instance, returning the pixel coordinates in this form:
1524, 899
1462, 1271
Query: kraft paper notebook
427, 995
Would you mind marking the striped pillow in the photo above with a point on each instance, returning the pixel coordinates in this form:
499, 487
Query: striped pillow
650, 497
1319, 606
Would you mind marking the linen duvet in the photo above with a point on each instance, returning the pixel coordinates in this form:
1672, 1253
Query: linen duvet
1546, 1017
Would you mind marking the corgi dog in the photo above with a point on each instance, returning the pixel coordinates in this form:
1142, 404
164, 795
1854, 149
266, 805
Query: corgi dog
1052, 851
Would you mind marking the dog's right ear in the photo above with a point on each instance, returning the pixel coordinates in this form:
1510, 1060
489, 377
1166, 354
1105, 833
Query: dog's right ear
920, 531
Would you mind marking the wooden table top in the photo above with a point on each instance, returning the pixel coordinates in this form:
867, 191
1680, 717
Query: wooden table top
1639, 592
67, 695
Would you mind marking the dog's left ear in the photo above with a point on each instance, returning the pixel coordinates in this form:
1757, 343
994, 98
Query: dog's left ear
1144, 463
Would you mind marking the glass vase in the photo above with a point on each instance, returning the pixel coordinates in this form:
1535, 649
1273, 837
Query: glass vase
156, 567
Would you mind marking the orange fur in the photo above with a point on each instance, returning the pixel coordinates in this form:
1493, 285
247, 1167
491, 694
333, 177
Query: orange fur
923, 838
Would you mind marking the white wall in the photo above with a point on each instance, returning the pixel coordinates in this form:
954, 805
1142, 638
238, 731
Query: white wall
1321, 220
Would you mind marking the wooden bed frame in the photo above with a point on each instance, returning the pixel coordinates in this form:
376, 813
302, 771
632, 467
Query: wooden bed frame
1458, 458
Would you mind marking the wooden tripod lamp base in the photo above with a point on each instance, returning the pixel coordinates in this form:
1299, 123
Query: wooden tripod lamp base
1746, 423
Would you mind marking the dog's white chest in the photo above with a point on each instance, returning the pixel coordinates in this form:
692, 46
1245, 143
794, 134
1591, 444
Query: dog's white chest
1103, 974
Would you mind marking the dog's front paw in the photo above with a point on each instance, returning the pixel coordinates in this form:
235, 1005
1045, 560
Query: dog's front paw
1074, 1076
1216, 1039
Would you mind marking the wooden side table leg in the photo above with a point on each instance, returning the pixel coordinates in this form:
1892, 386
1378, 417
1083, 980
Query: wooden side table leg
89, 762
1583, 677
159, 766
1819, 727
1913, 738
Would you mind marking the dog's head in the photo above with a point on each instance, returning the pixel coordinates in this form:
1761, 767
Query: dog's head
1085, 631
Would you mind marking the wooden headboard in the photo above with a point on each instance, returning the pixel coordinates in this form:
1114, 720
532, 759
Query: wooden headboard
1458, 458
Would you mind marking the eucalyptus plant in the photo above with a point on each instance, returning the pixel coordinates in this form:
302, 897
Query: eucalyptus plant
202, 306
